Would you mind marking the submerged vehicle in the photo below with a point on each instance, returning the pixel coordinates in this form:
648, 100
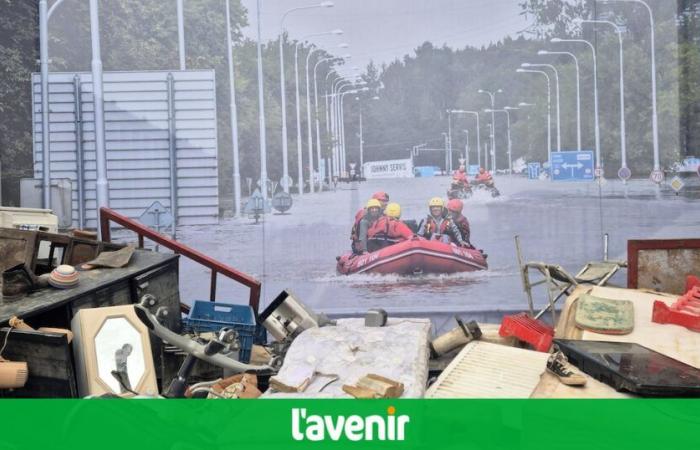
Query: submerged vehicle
414, 257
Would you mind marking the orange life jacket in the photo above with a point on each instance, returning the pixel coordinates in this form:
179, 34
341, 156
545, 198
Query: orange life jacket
431, 226
390, 229
355, 232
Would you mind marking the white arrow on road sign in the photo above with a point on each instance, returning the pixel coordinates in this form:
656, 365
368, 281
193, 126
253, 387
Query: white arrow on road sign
572, 166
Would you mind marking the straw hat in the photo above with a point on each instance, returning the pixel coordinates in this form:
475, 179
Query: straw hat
64, 277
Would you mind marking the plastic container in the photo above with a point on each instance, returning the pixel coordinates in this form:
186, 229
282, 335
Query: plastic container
213, 316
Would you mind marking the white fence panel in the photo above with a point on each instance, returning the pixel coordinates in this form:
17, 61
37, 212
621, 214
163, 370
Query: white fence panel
139, 141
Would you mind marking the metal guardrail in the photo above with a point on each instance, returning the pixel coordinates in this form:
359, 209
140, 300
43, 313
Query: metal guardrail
108, 215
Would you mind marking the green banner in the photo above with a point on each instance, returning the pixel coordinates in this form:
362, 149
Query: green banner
291, 424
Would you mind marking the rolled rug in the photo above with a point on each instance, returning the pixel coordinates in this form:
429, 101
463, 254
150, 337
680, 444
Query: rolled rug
64, 277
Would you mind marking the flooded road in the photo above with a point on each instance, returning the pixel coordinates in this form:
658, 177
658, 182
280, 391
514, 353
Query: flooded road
558, 223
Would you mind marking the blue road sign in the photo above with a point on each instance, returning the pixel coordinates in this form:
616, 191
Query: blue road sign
533, 170
572, 166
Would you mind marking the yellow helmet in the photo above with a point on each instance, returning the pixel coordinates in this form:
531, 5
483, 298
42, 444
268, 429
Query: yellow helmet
373, 203
436, 201
393, 210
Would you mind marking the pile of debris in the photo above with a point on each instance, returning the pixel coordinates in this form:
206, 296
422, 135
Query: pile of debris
86, 318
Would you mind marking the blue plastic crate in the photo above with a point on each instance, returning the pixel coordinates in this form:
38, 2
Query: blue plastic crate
213, 316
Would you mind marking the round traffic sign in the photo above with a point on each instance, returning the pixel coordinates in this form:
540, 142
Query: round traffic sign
624, 173
282, 201
657, 176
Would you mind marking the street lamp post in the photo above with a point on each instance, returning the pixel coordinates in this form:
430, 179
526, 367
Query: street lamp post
335, 126
623, 128
492, 95
339, 125
448, 154
654, 117
234, 115
300, 172
556, 89
308, 116
44, 15
598, 162
344, 153
507, 111
478, 136
181, 32
330, 119
447, 145
283, 103
340, 97
578, 92
318, 124
466, 150
102, 185
549, 110
261, 111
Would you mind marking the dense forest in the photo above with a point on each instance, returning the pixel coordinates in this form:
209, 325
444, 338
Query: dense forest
417, 89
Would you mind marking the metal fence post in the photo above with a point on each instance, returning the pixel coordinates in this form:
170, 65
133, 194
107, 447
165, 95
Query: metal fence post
79, 157
173, 150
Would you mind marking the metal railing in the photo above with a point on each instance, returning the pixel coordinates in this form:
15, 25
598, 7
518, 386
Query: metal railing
108, 215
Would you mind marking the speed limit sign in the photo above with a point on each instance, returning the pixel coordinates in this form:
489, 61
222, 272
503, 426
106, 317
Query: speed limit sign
657, 176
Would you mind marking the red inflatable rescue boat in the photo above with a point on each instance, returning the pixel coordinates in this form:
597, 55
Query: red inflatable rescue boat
413, 257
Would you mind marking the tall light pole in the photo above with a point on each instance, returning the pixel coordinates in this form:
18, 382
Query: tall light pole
578, 92
466, 150
181, 33
654, 117
598, 161
337, 124
448, 155
300, 164
478, 137
318, 124
330, 117
362, 138
261, 112
447, 145
492, 95
335, 128
234, 115
308, 115
623, 127
283, 91
507, 111
344, 152
102, 185
556, 89
549, 110
340, 96
44, 16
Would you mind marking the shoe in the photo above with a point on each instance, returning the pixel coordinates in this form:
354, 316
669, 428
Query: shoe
559, 366
17, 281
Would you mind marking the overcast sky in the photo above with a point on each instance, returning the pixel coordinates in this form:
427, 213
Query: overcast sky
382, 30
